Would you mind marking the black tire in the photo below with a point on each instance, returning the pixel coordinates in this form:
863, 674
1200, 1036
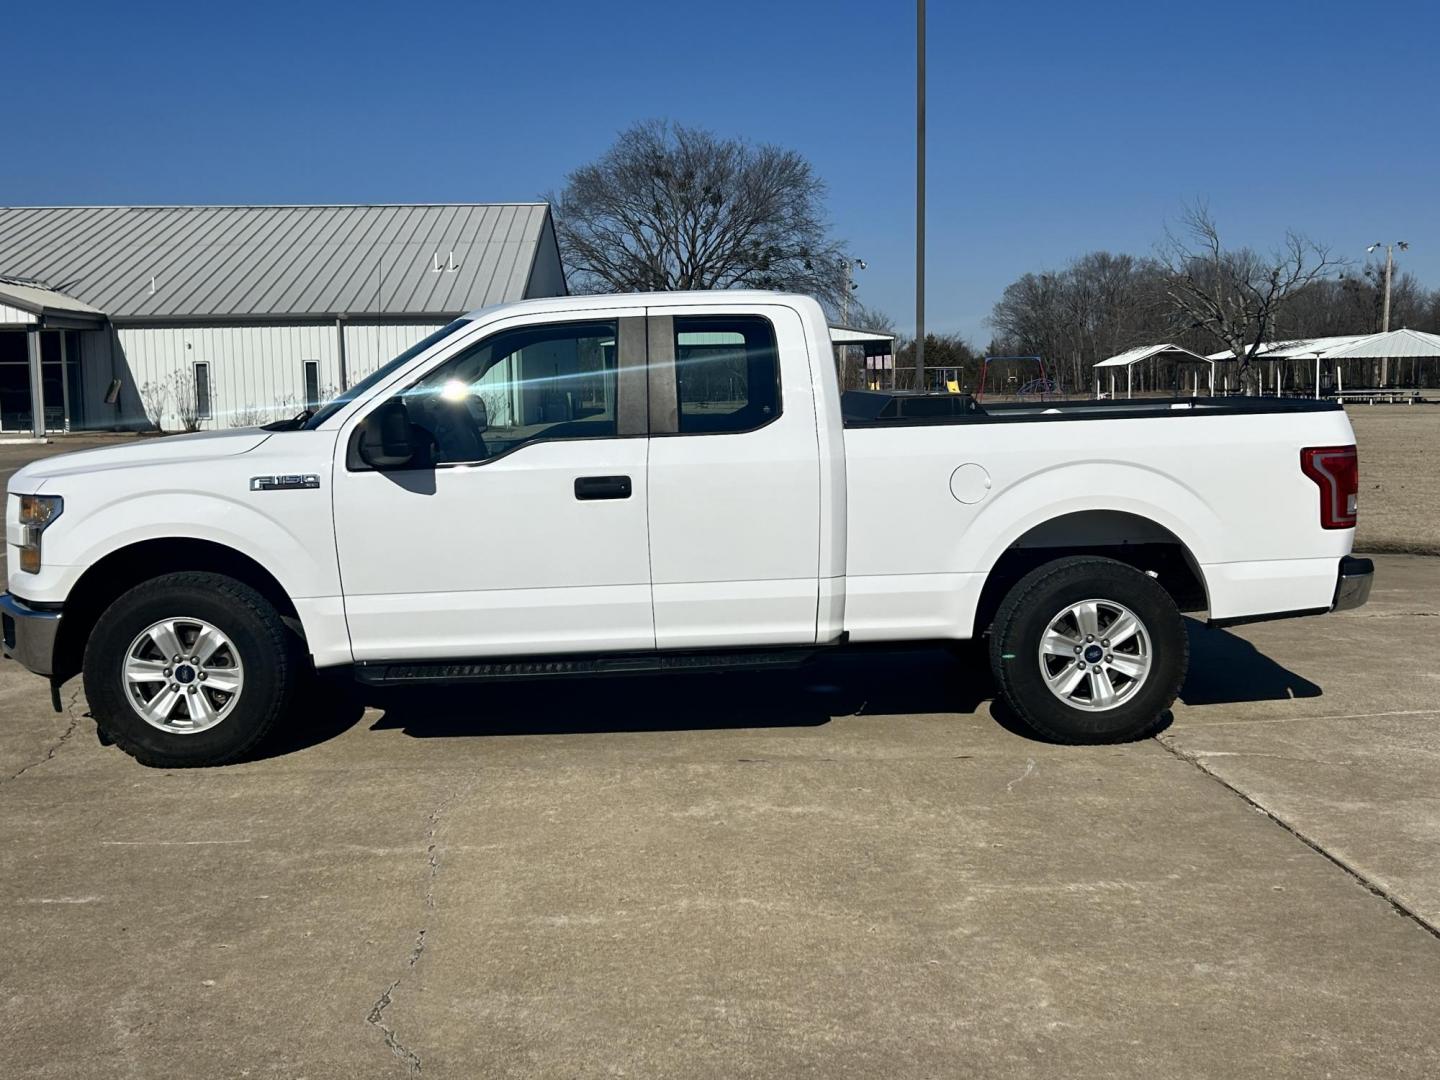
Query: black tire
273, 665
1026, 615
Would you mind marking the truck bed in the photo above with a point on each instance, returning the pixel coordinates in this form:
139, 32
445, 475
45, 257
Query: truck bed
874, 408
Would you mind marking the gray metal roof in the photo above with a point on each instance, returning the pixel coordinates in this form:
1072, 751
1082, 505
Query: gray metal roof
158, 262
38, 300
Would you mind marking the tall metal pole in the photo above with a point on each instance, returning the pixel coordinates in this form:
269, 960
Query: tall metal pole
920, 195
1389, 269
1385, 314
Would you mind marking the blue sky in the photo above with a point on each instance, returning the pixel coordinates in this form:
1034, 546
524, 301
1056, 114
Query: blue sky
1054, 128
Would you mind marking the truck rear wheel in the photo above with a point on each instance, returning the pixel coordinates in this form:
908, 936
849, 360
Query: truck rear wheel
1089, 650
190, 669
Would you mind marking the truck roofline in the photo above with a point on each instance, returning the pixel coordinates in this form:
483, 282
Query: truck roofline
691, 298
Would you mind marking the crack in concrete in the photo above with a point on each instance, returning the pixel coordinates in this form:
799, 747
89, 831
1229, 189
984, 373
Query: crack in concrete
1307, 719
1396, 615
408, 1057
1397, 905
58, 743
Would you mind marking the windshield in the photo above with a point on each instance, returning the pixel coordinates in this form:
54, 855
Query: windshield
330, 408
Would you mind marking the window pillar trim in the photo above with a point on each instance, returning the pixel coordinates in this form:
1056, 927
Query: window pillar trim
664, 392
632, 415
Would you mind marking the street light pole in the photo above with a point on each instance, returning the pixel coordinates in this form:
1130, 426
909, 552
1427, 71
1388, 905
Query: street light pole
1385, 310
1389, 270
849, 264
920, 195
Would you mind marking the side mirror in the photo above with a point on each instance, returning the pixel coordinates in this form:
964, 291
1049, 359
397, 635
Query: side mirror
384, 437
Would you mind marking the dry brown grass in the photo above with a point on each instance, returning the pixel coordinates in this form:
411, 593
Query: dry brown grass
1399, 477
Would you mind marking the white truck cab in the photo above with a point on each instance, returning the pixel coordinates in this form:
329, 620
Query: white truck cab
593, 484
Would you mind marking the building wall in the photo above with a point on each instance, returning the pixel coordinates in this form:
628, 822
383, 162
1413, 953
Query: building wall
367, 346
547, 276
13, 316
257, 373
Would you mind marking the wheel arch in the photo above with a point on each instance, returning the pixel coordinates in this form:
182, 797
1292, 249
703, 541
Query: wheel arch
104, 581
1122, 535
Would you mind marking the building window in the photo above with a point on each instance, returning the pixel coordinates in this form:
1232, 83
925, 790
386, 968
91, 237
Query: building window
728, 373
312, 385
202, 390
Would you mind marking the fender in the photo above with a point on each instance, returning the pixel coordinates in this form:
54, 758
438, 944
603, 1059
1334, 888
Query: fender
300, 558
1075, 487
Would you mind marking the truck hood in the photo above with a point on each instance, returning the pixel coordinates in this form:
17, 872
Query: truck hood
200, 446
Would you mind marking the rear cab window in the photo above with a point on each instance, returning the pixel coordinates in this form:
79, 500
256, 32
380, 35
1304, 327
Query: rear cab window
727, 373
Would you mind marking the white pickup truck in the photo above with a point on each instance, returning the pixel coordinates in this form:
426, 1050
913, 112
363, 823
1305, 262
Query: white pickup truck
614, 484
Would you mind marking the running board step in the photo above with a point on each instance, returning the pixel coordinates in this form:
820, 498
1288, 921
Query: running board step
410, 673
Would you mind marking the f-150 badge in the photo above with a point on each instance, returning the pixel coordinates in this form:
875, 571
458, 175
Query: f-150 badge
284, 483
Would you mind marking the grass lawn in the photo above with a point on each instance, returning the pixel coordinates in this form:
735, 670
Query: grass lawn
1399, 477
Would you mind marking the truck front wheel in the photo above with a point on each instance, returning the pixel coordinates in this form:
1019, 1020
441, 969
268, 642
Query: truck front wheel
1089, 650
190, 669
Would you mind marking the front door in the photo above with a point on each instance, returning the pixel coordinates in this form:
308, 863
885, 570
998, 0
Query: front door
521, 527
734, 479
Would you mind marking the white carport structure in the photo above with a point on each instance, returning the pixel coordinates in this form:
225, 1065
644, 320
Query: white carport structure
1397, 344
1131, 357
1293, 349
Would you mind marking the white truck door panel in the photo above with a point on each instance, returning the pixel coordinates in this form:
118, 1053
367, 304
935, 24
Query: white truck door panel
530, 549
734, 514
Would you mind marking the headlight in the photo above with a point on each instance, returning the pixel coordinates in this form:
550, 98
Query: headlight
36, 514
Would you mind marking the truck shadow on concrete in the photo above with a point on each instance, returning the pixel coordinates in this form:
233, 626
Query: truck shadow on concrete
1224, 668
920, 681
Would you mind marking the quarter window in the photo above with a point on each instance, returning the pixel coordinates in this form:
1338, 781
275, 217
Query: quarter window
519, 386
726, 372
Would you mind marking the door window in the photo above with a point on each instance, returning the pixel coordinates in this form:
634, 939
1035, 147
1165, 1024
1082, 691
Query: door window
727, 373
517, 387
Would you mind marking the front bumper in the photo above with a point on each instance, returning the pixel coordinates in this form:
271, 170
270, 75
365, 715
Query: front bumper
29, 634
1353, 587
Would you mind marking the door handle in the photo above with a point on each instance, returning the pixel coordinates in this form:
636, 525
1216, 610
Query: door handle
602, 487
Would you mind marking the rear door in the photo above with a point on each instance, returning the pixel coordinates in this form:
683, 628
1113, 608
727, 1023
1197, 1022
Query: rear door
734, 478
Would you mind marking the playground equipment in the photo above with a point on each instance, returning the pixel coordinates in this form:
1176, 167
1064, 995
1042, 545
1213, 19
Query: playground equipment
1042, 386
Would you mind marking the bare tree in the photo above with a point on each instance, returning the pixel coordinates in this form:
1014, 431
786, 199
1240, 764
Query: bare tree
171, 396
868, 318
673, 207
155, 400
187, 405
1237, 295
1099, 305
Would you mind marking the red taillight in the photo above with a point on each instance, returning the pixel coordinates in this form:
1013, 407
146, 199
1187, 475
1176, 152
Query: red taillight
1336, 471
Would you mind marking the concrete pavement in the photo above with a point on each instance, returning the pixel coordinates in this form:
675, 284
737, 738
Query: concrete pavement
1344, 746
858, 871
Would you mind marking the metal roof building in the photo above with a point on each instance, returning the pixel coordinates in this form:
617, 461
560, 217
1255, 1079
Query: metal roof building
211, 316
